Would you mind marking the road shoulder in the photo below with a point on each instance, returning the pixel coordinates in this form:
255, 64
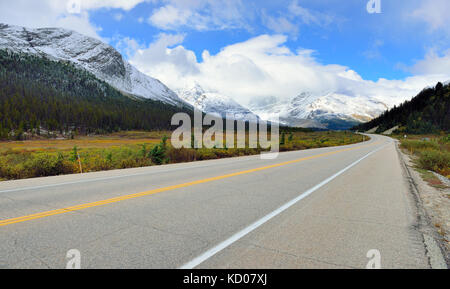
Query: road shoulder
433, 209
366, 209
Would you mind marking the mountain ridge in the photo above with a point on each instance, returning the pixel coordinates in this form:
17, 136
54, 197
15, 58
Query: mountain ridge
428, 112
325, 110
320, 110
38, 94
88, 53
215, 103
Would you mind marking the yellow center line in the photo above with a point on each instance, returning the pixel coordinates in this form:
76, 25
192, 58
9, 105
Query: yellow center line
160, 190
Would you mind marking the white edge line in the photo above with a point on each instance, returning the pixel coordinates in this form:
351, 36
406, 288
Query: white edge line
211, 252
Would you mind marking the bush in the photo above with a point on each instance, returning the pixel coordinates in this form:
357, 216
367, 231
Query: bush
127, 163
158, 153
445, 139
206, 154
97, 163
39, 165
433, 160
181, 155
418, 145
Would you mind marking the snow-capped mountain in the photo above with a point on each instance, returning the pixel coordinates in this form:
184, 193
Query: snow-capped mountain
215, 103
320, 110
324, 110
89, 53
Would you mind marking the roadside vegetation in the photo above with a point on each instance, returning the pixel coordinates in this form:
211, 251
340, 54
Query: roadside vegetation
38, 158
430, 152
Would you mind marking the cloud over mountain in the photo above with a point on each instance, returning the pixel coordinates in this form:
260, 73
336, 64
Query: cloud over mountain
264, 66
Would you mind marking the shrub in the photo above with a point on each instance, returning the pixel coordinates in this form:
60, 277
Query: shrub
97, 163
206, 154
181, 155
43, 165
108, 157
158, 153
418, 145
283, 138
74, 154
143, 151
127, 163
445, 139
438, 161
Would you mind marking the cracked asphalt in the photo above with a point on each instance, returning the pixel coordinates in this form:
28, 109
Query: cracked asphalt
367, 207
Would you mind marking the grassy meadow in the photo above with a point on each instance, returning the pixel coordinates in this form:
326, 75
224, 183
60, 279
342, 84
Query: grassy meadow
430, 152
49, 157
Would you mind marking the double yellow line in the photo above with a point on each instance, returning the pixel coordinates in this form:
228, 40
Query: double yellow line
160, 190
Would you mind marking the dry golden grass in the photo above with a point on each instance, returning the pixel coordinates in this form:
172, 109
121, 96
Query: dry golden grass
85, 142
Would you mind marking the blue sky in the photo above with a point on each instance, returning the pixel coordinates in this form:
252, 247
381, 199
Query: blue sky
258, 48
374, 45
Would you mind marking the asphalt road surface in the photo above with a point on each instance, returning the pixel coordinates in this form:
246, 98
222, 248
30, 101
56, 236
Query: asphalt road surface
320, 208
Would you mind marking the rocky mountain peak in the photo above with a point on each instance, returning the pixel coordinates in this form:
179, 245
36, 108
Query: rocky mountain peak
88, 53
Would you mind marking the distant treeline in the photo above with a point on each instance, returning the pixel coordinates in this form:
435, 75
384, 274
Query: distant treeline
428, 112
37, 93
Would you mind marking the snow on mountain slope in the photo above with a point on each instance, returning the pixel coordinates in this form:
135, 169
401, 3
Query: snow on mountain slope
215, 103
324, 110
89, 53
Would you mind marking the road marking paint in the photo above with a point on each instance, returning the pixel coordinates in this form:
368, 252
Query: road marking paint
155, 191
213, 251
98, 179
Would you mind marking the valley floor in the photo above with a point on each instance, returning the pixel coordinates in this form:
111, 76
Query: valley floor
49, 157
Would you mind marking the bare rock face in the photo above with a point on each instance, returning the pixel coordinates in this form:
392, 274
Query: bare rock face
88, 53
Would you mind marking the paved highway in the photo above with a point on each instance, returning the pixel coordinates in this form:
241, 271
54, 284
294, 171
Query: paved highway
320, 208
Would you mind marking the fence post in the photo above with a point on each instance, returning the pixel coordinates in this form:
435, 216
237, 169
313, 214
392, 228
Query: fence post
79, 162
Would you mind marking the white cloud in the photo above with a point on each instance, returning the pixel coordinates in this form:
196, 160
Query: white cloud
308, 16
159, 58
118, 16
170, 17
118, 4
58, 13
374, 51
281, 25
290, 21
126, 45
199, 15
263, 66
433, 63
435, 13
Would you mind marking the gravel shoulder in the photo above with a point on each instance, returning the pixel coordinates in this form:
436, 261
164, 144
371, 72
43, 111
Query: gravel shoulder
433, 203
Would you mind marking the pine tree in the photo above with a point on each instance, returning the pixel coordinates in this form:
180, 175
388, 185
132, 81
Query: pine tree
283, 138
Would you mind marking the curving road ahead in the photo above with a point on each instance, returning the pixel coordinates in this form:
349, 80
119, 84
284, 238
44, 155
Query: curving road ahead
320, 208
